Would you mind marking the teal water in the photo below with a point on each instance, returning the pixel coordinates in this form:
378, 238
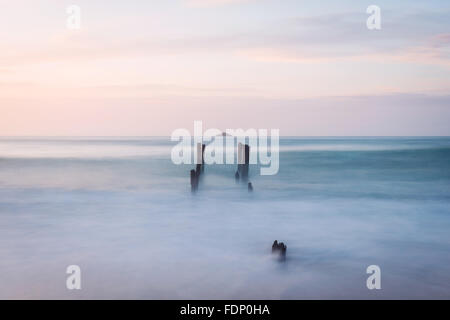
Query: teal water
122, 211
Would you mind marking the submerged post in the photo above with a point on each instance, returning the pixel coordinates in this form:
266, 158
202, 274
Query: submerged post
243, 161
279, 248
194, 180
199, 160
247, 161
203, 157
199, 167
240, 158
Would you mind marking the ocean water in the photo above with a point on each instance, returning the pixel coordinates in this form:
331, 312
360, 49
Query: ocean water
123, 212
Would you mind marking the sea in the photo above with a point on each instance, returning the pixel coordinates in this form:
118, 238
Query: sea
123, 212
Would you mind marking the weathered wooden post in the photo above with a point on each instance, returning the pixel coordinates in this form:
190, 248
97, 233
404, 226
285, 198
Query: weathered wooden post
279, 249
275, 246
200, 159
199, 166
243, 161
203, 158
194, 180
247, 161
240, 158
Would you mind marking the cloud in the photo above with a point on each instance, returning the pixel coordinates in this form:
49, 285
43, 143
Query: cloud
393, 114
440, 40
428, 55
408, 37
418, 37
213, 3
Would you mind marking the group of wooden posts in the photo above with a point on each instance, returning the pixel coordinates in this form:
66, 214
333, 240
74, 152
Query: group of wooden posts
241, 174
242, 169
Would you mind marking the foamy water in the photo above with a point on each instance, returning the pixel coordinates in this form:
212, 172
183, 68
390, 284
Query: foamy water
120, 209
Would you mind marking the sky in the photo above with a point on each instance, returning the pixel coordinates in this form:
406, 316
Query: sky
308, 68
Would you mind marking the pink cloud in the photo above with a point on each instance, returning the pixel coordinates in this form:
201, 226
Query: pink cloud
212, 3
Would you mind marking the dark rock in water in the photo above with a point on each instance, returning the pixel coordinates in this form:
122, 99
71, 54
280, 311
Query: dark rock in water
250, 187
236, 176
279, 249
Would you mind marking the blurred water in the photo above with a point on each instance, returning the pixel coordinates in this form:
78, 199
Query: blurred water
120, 209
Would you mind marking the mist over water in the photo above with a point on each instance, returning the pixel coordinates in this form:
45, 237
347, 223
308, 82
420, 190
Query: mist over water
122, 211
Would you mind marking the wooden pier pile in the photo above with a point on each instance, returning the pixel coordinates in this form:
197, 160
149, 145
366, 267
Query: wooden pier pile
279, 249
241, 175
199, 168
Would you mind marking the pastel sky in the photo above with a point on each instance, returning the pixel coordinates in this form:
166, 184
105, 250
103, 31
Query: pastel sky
149, 67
